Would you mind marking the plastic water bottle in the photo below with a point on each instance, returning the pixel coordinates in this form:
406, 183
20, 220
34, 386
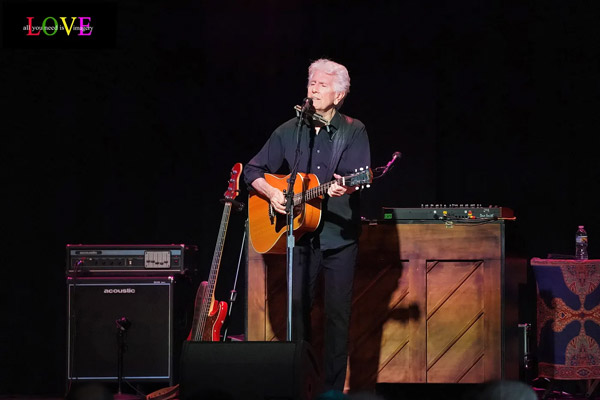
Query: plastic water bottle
581, 244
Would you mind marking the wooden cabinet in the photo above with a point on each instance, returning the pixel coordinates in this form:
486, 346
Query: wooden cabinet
433, 302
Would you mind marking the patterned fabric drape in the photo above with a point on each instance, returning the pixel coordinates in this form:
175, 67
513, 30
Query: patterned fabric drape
568, 318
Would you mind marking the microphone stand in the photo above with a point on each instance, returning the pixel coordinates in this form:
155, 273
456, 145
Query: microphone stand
289, 208
123, 325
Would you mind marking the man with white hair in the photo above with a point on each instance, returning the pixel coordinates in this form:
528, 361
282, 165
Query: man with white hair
331, 146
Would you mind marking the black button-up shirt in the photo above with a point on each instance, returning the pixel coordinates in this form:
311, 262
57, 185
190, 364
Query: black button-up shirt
340, 222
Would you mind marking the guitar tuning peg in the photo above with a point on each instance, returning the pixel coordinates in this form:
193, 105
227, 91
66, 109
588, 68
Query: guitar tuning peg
362, 169
356, 188
368, 186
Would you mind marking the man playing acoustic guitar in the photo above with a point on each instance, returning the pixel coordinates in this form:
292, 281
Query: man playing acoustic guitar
332, 146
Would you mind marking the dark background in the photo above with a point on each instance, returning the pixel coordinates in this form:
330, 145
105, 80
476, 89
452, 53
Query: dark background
492, 103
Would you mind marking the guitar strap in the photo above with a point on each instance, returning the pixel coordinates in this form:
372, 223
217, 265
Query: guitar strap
340, 140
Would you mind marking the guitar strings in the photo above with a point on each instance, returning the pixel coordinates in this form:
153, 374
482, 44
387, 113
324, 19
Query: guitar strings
206, 306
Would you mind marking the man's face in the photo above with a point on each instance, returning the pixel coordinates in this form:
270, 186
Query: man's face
320, 90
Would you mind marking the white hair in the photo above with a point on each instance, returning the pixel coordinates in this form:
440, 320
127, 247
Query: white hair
341, 78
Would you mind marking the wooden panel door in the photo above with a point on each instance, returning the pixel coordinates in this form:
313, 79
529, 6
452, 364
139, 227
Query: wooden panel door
455, 321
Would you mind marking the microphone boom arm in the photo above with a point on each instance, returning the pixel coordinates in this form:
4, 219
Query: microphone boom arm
313, 115
388, 166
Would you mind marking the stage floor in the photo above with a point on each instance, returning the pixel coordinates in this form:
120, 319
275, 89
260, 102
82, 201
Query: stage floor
396, 392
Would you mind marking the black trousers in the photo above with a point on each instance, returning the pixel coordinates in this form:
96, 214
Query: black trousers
337, 267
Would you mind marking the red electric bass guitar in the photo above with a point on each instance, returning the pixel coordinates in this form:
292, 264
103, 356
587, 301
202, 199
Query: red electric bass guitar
209, 314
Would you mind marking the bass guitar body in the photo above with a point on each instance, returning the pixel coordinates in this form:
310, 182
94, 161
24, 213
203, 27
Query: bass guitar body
214, 320
267, 228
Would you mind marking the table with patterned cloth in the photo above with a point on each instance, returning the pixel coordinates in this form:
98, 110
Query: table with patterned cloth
568, 318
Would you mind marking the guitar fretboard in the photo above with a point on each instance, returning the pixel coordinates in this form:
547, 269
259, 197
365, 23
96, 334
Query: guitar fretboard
207, 301
315, 192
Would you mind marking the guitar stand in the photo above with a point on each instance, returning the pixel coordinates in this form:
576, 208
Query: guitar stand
233, 292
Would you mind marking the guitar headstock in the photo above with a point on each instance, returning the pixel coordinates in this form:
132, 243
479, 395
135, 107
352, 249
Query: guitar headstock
234, 182
361, 178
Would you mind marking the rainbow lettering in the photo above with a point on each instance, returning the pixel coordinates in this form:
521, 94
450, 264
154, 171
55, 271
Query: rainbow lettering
53, 27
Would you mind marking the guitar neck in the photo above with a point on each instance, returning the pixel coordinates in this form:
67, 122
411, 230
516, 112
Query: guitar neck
207, 300
216, 261
316, 191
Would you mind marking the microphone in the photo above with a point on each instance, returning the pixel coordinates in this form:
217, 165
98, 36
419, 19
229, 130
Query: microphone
396, 155
306, 104
123, 324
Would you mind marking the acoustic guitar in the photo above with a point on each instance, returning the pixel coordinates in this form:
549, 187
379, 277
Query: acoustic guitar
267, 229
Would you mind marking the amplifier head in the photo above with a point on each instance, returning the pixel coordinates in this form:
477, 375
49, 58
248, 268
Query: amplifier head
141, 260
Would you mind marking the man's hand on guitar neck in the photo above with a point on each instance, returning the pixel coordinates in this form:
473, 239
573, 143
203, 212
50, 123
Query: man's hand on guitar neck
336, 190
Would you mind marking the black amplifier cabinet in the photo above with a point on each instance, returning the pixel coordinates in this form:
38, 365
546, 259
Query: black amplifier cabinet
130, 259
157, 310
